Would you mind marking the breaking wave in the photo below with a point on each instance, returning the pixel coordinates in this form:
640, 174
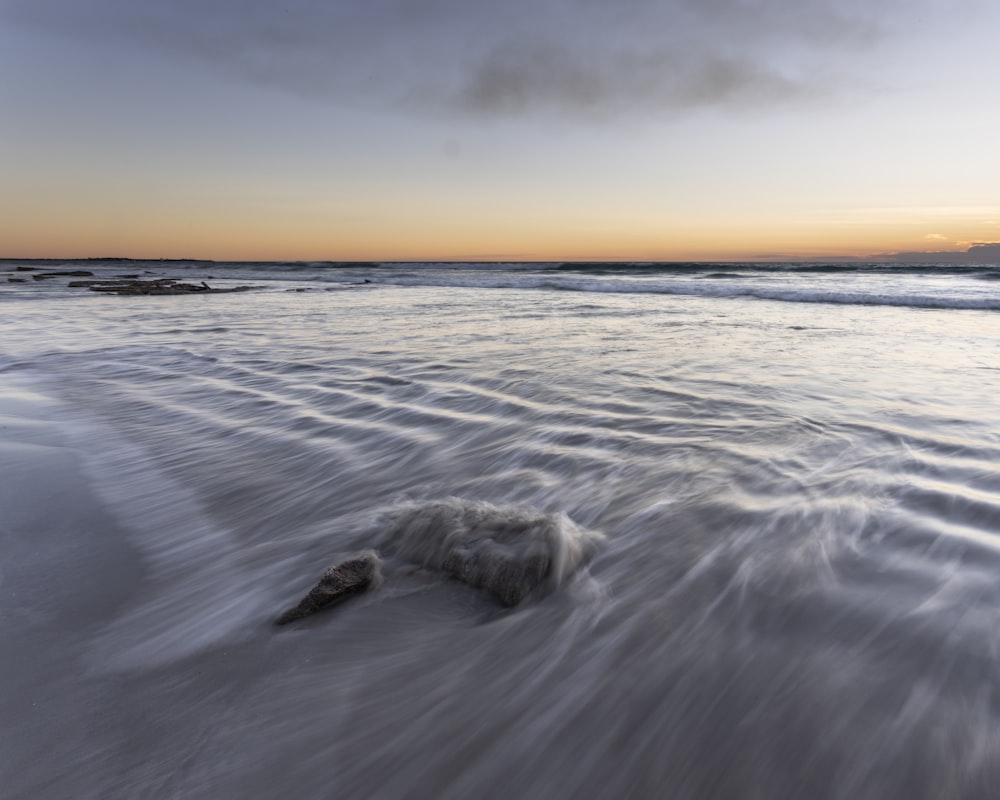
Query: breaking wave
723, 286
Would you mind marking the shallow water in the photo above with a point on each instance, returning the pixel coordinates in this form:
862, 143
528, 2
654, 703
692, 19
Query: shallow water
797, 595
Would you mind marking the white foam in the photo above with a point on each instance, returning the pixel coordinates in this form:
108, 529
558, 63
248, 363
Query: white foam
874, 294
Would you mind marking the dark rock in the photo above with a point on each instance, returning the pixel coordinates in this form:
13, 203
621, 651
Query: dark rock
75, 273
129, 286
156, 286
508, 576
338, 582
16, 280
510, 552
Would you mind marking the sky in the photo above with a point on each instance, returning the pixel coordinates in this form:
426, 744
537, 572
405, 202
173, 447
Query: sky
514, 130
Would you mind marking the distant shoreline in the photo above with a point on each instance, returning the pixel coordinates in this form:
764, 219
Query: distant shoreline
911, 262
982, 254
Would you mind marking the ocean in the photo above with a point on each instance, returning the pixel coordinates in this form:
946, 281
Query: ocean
787, 476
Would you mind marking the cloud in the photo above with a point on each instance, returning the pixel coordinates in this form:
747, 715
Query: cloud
516, 78
517, 57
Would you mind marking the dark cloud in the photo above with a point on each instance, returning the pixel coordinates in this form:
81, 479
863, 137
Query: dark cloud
517, 78
581, 57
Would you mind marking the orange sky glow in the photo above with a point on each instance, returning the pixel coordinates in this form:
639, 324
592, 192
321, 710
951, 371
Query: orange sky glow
124, 138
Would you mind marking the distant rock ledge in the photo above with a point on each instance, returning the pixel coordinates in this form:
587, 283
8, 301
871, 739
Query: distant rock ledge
130, 285
134, 286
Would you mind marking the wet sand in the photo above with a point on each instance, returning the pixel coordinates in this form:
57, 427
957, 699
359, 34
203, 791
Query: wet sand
67, 569
74, 724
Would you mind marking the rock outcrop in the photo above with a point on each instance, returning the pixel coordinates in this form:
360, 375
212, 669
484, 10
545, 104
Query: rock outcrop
338, 582
129, 285
510, 552
72, 273
156, 286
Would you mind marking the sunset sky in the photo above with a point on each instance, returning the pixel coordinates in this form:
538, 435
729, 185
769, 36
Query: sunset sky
522, 129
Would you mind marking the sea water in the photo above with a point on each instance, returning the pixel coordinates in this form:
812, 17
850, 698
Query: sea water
791, 471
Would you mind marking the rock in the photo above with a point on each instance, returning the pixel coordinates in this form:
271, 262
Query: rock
338, 582
130, 284
508, 576
510, 552
75, 273
513, 553
157, 286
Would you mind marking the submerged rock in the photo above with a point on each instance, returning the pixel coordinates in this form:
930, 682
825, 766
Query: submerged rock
509, 577
510, 552
338, 582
